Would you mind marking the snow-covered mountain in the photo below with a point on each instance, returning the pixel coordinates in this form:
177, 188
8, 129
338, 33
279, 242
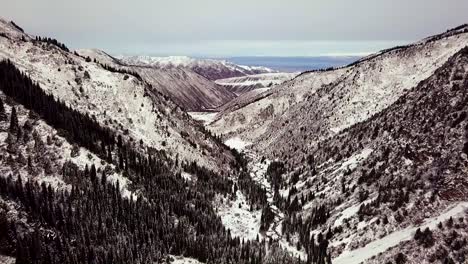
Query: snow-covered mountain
98, 166
119, 100
211, 69
240, 85
187, 88
335, 99
370, 157
398, 171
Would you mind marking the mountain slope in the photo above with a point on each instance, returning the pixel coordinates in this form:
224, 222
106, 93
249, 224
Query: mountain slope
322, 103
58, 206
116, 99
99, 168
188, 89
400, 170
209, 68
360, 157
240, 85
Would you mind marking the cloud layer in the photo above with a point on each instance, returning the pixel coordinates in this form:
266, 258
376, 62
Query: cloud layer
272, 26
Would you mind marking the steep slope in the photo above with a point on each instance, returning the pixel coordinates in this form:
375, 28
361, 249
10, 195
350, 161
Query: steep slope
319, 104
58, 206
209, 68
188, 89
116, 99
240, 85
380, 180
357, 159
249, 115
39, 152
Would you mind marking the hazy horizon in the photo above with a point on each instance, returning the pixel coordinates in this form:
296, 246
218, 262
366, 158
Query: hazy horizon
229, 49
211, 28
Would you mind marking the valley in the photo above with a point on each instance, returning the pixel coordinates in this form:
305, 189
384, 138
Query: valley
143, 159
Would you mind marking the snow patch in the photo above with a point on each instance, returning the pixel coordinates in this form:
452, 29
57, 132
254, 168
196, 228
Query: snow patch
236, 216
7, 260
236, 143
187, 176
205, 117
353, 161
292, 250
349, 212
184, 260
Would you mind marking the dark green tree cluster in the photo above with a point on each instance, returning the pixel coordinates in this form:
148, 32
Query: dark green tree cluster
3, 115
93, 223
317, 251
256, 195
52, 41
121, 70
16, 26
424, 238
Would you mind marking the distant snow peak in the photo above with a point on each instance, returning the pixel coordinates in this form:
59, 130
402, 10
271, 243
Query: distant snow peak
212, 69
175, 61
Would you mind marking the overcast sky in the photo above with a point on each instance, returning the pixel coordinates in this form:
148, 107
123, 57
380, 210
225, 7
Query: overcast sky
234, 28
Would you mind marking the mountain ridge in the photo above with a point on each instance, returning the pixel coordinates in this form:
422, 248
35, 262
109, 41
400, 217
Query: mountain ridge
212, 69
116, 99
187, 88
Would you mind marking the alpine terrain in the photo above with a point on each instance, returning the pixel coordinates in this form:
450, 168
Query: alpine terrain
140, 159
368, 159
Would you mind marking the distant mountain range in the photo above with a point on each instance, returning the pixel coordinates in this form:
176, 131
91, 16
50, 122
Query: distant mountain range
211, 69
296, 64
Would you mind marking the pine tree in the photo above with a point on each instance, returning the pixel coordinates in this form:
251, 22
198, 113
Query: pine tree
3, 115
13, 120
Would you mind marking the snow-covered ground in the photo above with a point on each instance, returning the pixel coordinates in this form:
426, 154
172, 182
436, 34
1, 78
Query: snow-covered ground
205, 117
61, 151
263, 79
236, 143
184, 260
381, 245
236, 216
119, 101
7, 260
243, 84
327, 102
354, 161
348, 212
188, 176
211, 69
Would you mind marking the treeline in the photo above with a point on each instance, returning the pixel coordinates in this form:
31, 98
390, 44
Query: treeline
121, 70
16, 26
110, 68
52, 41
